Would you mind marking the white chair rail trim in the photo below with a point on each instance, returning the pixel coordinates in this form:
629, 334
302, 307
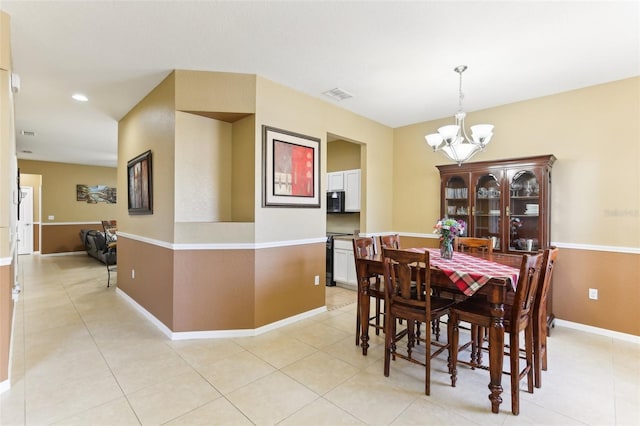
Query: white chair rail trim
575, 246
222, 246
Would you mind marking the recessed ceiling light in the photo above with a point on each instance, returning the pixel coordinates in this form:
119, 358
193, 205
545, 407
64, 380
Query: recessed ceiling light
80, 97
338, 94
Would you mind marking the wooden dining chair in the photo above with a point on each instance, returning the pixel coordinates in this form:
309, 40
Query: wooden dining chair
472, 244
363, 247
407, 278
390, 241
517, 319
540, 312
540, 319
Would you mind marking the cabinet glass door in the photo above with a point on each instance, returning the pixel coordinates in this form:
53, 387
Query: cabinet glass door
524, 211
456, 199
487, 209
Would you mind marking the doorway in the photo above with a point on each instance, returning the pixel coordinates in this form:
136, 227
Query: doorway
25, 221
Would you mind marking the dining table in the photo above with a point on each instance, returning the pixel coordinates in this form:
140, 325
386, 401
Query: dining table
492, 275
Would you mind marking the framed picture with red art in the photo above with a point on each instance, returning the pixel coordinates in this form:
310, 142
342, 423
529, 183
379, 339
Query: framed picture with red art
291, 169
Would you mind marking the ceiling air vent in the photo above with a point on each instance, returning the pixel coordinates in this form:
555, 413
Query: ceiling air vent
338, 94
27, 133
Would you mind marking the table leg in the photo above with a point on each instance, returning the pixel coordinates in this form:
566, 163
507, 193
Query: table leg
496, 353
363, 295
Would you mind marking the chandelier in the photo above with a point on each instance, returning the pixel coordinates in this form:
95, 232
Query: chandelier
453, 139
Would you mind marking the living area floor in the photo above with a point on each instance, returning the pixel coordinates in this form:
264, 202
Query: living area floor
82, 355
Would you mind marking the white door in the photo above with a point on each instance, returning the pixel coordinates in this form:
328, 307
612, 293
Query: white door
25, 223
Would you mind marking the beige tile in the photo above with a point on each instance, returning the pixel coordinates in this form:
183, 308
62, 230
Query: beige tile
347, 351
150, 370
45, 319
12, 405
205, 351
271, 399
283, 351
172, 398
425, 411
73, 338
372, 398
217, 412
321, 412
116, 412
320, 335
235, 371
46, 405
320, 372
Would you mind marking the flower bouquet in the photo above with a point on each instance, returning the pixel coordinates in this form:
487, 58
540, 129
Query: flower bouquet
448, 229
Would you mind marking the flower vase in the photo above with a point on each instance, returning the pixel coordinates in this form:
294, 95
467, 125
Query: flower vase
446, 249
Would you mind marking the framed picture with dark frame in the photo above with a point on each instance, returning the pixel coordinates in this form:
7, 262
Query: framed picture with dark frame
291, 169
139, 184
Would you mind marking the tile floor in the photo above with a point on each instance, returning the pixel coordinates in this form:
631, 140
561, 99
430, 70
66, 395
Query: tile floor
83, 356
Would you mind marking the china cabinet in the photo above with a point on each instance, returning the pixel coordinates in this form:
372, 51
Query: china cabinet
505, 200
508, 201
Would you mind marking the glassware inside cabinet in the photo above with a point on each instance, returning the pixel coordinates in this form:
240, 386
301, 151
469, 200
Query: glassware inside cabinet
456, 199
524, 207
487, 212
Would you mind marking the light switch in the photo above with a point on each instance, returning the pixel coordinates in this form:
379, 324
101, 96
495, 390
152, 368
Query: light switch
51, 217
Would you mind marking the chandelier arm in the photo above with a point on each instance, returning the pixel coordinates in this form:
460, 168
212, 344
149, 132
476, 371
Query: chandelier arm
456, 143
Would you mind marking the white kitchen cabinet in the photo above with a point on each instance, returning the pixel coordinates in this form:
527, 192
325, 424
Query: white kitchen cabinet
335, 181
344, 267
352, 190
349, 182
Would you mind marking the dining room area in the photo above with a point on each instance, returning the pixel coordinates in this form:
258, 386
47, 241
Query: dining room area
85, 356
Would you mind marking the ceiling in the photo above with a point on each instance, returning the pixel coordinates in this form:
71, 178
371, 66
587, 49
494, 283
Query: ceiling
395, 58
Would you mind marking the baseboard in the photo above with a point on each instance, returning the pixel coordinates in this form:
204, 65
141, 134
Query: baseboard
596, 330
217, 334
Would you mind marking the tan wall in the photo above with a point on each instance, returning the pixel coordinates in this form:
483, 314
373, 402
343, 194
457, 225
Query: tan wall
243, 172
284, 108
214, 290
64, 238
342, 155
286, 270
219, 289
596, 178
615, 277
8, 196
284, 284
203, 193
595, 188
152, 287
58, 198
150, 125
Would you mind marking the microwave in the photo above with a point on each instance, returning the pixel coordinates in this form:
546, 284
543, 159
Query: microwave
335, 201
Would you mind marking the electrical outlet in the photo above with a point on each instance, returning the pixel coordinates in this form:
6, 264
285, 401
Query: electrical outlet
133, 274
316, 280
593, 293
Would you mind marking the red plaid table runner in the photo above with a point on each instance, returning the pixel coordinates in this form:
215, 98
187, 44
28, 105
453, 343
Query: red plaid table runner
470, 273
